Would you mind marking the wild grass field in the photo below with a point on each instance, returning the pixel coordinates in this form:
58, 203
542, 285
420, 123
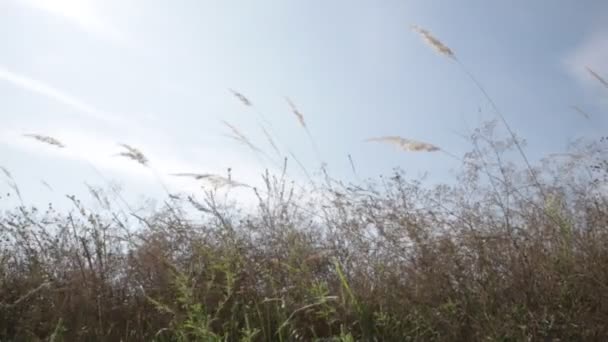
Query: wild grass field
510, 250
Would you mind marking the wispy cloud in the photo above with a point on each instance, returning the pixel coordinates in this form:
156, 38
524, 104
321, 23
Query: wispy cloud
48, 91
82, 13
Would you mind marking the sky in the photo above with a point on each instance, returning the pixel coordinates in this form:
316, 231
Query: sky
156, 75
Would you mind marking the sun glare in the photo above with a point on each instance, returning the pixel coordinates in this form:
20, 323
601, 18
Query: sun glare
83, 13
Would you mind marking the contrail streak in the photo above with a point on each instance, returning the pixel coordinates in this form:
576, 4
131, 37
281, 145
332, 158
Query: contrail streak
50, 92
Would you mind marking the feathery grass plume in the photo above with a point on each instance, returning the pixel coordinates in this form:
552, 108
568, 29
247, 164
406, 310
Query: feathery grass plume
300, 117
46, 185
406, 144
11, 183
99, 195
581, 112
139, 157
597, 77
216, 181
295, 111
133, 154
46, 139
433, 42
446, 51
241, 97
249, 104
197, 176
219, 181
242, 138
6, 172
263, 124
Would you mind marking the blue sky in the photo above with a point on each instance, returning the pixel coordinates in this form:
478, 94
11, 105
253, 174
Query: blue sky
156, 74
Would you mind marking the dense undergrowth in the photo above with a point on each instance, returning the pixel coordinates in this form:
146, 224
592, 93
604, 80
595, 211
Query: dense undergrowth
498, 255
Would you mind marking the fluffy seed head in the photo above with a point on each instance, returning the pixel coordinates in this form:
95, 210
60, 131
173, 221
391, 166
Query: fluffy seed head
581, 112
6, 172
597, 77
216, 181
433, 42
296, 112
46, 185
197, 176
46, 139
133, 154
241, 97
406, 144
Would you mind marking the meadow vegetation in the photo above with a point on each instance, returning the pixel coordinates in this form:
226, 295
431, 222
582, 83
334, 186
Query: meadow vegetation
508, 251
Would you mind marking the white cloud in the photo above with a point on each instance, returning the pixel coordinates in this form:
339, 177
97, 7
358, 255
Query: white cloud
41, 88
83, 13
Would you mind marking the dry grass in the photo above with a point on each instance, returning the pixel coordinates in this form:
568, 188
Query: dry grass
391, 261
446, 51
492, 256
197, 176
